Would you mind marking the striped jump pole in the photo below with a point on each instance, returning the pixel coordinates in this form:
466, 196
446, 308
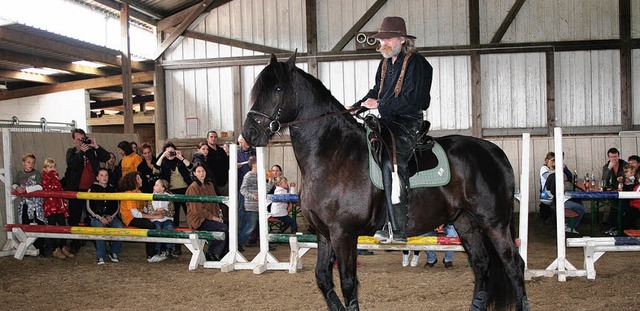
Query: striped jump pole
152, 233
415, 240
118, 196
604, 195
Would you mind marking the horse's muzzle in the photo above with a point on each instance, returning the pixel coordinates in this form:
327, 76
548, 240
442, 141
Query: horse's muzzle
254, 134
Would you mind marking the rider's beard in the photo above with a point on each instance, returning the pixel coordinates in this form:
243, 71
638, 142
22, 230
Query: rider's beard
389, 51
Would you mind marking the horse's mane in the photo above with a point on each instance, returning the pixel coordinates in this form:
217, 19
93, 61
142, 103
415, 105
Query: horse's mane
322, 94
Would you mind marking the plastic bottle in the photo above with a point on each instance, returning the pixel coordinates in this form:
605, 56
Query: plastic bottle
593, 181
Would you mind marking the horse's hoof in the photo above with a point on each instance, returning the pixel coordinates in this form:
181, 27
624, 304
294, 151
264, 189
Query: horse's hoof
525, 304
480, 301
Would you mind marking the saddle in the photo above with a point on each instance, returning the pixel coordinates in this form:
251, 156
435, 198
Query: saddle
381, 140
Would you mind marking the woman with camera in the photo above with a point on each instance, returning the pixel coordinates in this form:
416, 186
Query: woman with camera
175, 169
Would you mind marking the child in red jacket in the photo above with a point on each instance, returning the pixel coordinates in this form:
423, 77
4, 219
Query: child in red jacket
56, 210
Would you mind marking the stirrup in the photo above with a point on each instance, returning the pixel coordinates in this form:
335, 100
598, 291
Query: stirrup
387, 236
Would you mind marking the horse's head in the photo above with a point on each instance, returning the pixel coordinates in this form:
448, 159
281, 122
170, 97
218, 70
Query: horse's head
272, 102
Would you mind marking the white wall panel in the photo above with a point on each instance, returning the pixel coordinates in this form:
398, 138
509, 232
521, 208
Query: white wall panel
635, 16
55, 107
433, 22
513, 90
551, 20
587, 88
275, 23
450, 106
348, 81
206, 94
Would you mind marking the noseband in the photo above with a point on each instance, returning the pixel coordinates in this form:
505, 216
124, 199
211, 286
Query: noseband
274, 123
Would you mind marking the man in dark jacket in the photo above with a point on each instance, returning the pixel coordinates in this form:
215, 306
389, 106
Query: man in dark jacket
218, 163
83, 162
401, 94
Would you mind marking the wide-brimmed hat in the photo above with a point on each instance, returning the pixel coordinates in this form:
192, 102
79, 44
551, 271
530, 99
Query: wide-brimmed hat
392, 27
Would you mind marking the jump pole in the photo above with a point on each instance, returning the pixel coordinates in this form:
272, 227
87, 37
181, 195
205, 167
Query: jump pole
524, 198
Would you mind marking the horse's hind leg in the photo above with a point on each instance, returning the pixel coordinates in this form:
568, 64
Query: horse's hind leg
512, 262
471, 237
324, 274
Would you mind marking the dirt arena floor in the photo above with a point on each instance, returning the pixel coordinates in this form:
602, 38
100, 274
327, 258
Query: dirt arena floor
134, 284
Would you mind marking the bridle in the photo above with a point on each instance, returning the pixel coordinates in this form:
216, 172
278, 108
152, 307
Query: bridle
275, 126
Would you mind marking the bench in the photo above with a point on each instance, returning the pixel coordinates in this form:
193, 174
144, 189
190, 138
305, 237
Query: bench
300, 244
193, 240
594, 248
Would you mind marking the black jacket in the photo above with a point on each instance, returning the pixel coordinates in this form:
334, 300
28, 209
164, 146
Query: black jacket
75, 164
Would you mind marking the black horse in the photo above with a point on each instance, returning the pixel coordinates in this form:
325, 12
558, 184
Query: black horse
341, 203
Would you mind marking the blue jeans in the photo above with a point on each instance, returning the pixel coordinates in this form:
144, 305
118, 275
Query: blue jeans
164, 225
576, 207
217, 247
101, 246
287, 221
448, 256
250, 221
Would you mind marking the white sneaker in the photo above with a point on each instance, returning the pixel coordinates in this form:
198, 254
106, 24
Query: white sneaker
575, 231
157, 258
567, 229
100, 261
114, 257
414, 260
405, 260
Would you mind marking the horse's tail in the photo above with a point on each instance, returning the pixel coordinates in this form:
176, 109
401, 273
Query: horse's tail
501, 292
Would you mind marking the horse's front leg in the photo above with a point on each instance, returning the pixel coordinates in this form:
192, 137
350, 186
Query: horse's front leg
324, 274
347, 256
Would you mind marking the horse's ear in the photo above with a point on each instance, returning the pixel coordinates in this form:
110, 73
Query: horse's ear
273, 59
292, 60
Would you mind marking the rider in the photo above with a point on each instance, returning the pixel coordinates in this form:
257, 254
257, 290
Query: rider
401, 93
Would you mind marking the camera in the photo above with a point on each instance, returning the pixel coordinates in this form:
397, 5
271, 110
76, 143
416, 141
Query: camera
172, 153
86, 140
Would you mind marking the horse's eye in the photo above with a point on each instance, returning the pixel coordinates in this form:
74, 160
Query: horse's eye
278, 89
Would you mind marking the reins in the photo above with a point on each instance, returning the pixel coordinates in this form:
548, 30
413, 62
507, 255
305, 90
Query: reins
322, 116
275, 125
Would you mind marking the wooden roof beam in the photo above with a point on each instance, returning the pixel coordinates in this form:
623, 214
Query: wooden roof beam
177, 18
358, 25
66, 46
200, 8
31, 77
36, 61
118, 102
135, 13
230, 42
76, 85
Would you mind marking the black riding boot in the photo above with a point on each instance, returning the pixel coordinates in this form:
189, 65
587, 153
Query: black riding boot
405, 131
397, 213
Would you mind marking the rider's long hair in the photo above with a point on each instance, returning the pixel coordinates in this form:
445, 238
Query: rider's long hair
409, 45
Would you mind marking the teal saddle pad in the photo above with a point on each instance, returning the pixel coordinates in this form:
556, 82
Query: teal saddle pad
435, 177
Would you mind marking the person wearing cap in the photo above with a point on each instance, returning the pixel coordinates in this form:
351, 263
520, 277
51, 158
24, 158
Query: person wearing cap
401, 93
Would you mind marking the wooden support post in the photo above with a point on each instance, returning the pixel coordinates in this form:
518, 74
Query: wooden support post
127, 96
